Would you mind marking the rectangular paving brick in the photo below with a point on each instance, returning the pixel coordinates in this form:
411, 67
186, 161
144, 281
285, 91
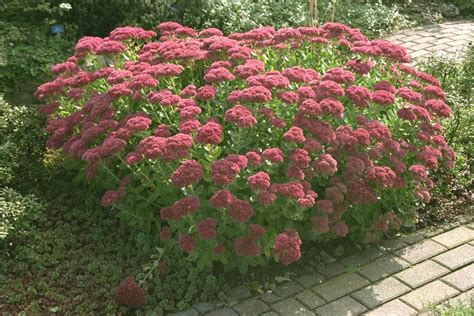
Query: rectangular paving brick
310, 280
420, 251
381, 292
411, 38
287, 289
269, 298
332, 270
251, 307
343, 306
363, 257
422, 273
458, 43
383, 267
309, 299
443, 40
237, 294
430, 293
395, 307
456, 257
340, 286
411, 238
432, 230
466, 298
455, 237
419, 53
391, 245
462, 279
226, 311
290, 306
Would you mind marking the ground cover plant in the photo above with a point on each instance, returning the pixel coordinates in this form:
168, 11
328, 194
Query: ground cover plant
235, 149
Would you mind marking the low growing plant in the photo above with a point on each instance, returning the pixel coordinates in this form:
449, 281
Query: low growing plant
235, 149
22, 145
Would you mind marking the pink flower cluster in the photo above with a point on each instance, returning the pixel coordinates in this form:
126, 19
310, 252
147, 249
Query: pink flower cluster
226, 143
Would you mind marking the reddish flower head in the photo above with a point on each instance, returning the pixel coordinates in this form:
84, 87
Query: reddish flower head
287, 246
130, 294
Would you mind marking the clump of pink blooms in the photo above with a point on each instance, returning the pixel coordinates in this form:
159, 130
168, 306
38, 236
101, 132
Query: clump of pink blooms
232, 147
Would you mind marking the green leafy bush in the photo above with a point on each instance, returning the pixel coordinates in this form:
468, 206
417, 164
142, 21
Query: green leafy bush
16, 211
22, 145
372, 17
240, 16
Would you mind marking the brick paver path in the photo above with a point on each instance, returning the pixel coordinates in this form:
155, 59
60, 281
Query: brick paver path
448, 38
402, 276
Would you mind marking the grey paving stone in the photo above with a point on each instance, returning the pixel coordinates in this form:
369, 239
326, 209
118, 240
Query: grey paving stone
270, 314
363, 257
309, 299
383, 267
466, 298
269, 298
310, 280
188, 312
456, 257
419, 53
455, 237
418, 47
226, 311
420, 251
411, 238
462, 279
340, 286
430, 231
430, 293
421, 273
395, 307
251, 306
460, 43
205, 306
411, 38
392, 245
344, 306
290, 306
332, 270
287, 289
443, 40
380, 292
237, 294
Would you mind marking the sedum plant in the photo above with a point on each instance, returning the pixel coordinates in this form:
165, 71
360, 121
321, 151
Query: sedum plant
237, 148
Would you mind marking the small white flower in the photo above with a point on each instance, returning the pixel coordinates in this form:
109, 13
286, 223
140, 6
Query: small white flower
65, 6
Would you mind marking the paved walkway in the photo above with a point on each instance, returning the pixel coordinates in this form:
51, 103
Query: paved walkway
403, 276
445, 39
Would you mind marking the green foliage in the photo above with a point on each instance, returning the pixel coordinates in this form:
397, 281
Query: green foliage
176, 285
27, 47
462, 307
16, 211
457, 78
374, 19
238, 16
22, 145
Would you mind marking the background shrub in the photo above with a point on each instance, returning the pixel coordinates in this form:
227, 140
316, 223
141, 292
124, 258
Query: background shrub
22, 145
16, 211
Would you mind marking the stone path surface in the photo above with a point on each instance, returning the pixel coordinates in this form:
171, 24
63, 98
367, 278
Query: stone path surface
400, 277
448, 38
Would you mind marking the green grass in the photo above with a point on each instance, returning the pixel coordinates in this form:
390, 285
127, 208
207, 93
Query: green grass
460, 308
